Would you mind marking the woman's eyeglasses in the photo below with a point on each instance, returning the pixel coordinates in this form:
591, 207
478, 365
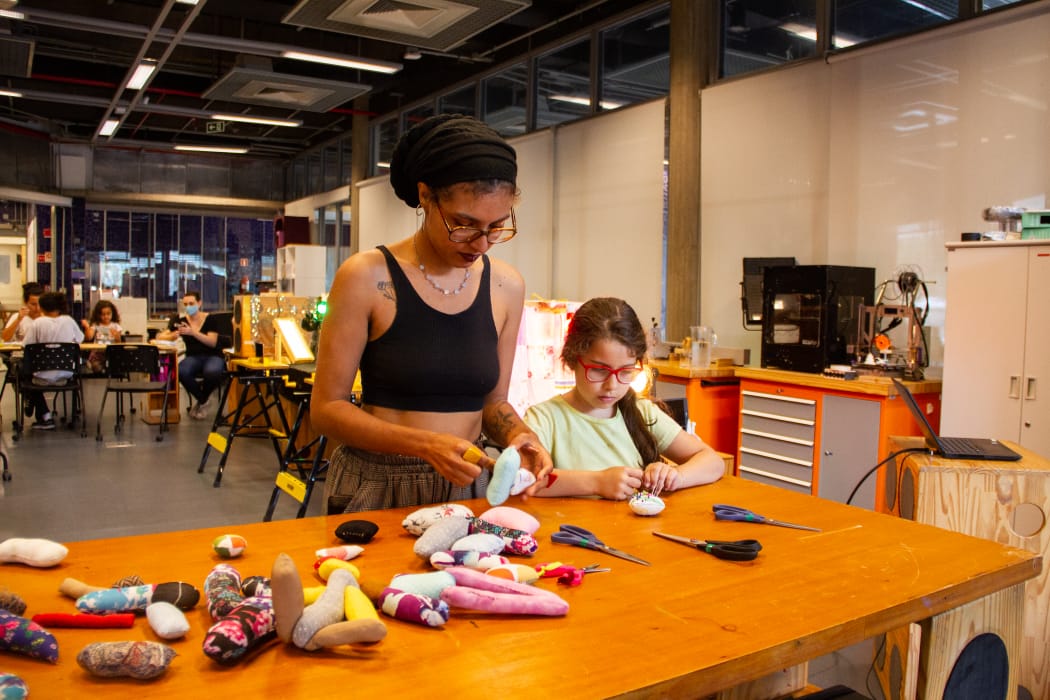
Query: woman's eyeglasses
599, 373
467, 234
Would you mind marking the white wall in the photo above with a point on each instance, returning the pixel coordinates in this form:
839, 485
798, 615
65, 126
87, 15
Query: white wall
590, 216
876, 159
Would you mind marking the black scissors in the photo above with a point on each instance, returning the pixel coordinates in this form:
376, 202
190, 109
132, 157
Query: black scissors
571, 534
724, 512
737, 550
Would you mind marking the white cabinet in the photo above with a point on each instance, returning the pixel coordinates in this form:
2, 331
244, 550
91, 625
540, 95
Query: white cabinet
997, 342
301, 270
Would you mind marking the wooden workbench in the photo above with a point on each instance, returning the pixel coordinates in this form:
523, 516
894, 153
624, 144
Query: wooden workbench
689, 625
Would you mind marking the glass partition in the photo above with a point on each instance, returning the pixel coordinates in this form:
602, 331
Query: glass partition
461, 101
636, 60
563, 84
505, 98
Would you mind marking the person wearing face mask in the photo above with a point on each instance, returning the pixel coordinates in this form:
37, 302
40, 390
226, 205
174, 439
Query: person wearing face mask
201, 369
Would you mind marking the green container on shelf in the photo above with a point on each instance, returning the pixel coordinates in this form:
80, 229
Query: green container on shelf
1035, 224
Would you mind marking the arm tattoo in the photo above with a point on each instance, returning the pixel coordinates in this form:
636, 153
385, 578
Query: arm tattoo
499, 420
387, 290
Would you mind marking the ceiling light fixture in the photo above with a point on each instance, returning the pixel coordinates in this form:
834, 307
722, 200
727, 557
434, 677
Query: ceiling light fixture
804, 31
9, 93
368, 64
412, 54
142, 73
212, 149
108, 127
256, 120
188, 2
585, 101
12, 14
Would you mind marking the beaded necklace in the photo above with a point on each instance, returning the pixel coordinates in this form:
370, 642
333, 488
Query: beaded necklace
430, 280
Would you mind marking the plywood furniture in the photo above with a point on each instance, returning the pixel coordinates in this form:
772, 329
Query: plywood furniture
820, 435
1005, 502
713, 397
707, 625
996, 334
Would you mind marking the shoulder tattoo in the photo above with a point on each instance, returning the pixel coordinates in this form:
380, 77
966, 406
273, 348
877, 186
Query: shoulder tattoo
386, 288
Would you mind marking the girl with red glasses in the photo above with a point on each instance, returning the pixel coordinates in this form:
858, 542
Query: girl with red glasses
606, 440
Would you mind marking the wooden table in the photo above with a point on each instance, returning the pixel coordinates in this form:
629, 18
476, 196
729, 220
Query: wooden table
687, 626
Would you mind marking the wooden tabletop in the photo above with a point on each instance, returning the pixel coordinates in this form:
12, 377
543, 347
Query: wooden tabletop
688, 625
864, 384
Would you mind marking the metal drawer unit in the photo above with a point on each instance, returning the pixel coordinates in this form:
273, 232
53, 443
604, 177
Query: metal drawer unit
777, 436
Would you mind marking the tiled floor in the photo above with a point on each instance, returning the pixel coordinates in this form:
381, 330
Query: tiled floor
68, 488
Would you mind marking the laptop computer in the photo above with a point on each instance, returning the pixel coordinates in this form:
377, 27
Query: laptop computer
954, 448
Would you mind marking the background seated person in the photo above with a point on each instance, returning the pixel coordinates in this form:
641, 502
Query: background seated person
204, 360
15, 329
53, 326
102, 327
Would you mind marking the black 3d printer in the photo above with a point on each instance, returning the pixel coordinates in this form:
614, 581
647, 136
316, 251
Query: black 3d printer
811, 315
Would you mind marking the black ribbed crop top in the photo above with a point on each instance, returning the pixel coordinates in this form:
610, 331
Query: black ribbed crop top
428, 360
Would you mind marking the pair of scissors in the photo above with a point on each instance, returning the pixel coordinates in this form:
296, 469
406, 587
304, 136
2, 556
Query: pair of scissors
577, 536
736, 550
724, 512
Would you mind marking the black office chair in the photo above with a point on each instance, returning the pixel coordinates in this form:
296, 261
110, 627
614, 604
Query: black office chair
123, 362
51, 368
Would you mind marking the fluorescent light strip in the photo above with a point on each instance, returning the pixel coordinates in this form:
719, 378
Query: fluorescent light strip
926, 8
809, 33
108, 127
9, 93
586, 102
141, 75
256, 120
12, 14
361, 64
213, 149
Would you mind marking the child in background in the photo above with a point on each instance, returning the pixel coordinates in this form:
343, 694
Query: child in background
605, 440
102, 327
54, 325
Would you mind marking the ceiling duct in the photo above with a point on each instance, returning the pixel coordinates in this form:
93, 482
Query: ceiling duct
263, 87
439, 25
16, 57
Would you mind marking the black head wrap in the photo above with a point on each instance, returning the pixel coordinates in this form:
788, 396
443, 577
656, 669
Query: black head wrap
446, 149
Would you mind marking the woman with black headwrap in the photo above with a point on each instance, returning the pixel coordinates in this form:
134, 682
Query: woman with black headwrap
432, 324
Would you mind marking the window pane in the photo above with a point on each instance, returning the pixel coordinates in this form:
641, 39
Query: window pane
140, 270
332, 178
758, 34
856, 21
636, 64
386, 135
213, 280
563, 84
346, 167
504, 97
189, 255
459, 102
165, 255
313, 176
411, 117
